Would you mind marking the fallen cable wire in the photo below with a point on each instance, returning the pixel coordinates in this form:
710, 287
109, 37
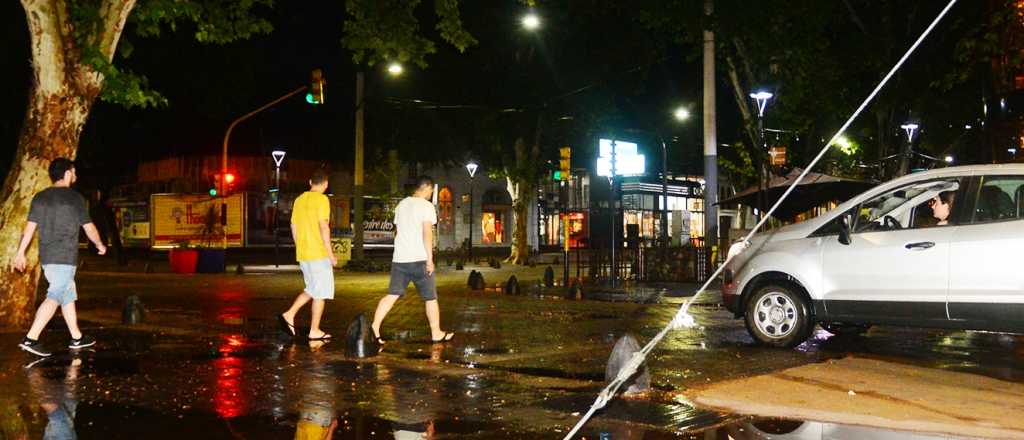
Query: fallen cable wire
682, 317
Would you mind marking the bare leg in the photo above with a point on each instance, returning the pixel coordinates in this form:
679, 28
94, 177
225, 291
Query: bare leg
71, 319
317, 311
300, 301
434, 319
383, 307
43, 315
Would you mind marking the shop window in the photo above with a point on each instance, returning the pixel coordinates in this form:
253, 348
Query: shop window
445, 209
492, 231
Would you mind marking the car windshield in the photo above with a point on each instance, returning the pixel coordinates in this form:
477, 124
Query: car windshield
897, 203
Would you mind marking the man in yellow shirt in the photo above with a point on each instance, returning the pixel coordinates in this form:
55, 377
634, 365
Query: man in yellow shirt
311, 231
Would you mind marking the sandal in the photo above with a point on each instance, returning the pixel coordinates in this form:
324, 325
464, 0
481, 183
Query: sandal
376, 337
448, 336
285, 326
324, 337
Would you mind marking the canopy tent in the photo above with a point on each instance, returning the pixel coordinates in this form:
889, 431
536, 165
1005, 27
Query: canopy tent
815, 190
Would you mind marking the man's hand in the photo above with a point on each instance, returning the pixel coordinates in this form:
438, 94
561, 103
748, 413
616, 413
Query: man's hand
334, 260
430, 267
101, 249
20, 262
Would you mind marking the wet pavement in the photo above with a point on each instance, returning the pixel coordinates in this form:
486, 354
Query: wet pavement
210, 362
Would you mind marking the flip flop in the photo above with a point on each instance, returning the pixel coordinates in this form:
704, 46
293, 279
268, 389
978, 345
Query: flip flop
447, 337
288, 328
325, 337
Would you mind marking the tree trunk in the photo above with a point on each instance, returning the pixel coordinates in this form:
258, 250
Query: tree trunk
62, 94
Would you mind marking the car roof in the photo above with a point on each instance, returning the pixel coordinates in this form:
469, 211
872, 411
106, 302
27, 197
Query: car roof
966, 170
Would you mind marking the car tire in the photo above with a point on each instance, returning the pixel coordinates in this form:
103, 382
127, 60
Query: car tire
778, 315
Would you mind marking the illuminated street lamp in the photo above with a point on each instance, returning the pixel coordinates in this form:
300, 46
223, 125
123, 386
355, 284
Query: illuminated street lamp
471, 168
908, 152
681, 114
949, 159
395, 68
761, 98
531, 21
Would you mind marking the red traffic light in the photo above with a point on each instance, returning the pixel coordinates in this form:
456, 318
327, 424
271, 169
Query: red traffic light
229, 178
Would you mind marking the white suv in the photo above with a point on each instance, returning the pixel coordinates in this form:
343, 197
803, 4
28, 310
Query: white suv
885, 257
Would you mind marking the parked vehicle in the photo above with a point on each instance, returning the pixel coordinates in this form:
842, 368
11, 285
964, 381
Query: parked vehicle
886, 257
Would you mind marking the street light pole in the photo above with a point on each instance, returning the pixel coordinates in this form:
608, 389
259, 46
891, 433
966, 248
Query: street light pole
278, 156
471, 167
761, 98
908, 151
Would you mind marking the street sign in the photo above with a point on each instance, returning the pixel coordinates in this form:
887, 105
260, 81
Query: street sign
778, 155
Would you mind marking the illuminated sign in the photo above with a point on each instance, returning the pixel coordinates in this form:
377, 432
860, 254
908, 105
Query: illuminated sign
628, 161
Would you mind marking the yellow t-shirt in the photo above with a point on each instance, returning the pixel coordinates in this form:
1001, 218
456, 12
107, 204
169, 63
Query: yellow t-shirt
307, 212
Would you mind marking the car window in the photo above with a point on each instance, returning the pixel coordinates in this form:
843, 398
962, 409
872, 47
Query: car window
905, 207
999, 198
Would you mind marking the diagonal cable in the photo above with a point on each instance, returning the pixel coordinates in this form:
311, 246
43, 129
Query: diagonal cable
682, 317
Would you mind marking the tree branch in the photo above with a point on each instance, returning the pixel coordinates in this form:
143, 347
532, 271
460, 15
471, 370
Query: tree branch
114, 14
44, 19
856, 18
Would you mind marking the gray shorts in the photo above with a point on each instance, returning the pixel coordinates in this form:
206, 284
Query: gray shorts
319, 278
416, 272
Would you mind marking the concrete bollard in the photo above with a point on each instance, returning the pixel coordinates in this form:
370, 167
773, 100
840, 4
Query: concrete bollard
512, 286
640, 382
549, 277
240, 270
476, 281
359, 341
459, 265
133, 312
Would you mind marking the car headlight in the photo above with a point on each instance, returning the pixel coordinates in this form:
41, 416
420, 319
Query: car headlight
737, 248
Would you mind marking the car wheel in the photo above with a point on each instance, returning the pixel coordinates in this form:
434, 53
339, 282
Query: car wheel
845, 330
777, 315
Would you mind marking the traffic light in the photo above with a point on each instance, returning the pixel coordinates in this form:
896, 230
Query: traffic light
564, 159
316, 88
223, 184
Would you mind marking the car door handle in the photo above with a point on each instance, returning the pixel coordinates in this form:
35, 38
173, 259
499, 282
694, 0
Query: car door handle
921, 245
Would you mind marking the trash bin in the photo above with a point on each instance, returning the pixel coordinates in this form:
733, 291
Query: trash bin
211, 261
183, 260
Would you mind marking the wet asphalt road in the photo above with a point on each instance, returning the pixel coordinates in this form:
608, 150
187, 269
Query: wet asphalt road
210, 362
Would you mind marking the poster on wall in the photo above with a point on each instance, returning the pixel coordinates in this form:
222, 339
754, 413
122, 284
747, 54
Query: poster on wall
195, 220
132, 222
378, 223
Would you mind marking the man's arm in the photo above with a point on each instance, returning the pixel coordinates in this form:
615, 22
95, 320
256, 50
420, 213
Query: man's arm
26, 239
94, 237
325, 234
428, 245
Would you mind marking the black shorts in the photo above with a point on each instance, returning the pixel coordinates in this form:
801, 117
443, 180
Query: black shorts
416, 272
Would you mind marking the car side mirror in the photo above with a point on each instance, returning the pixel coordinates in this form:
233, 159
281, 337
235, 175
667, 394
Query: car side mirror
844, 229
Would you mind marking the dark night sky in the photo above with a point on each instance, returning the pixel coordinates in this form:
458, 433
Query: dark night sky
209, 85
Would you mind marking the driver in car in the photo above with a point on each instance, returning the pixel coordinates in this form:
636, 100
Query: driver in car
942, 205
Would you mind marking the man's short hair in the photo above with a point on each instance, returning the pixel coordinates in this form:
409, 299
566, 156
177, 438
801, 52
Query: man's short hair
58, 167
422, 181
318, 177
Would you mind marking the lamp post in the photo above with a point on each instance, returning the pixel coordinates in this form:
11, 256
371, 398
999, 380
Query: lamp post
394, 69
471, 167
761, 98
278, 156
908, 150
681, 114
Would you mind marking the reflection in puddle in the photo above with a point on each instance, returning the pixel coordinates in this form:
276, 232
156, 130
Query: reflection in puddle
58, 399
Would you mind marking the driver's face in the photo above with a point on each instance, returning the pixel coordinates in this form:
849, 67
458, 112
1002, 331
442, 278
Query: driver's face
940, 210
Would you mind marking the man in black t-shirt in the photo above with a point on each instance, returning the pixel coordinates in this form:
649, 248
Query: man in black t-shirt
57, 212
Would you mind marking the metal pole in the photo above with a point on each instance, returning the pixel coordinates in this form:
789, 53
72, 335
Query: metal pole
563, 199
471, 180
613, 272
711, 232
357, 189
664, 193
277, 199
761, 186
